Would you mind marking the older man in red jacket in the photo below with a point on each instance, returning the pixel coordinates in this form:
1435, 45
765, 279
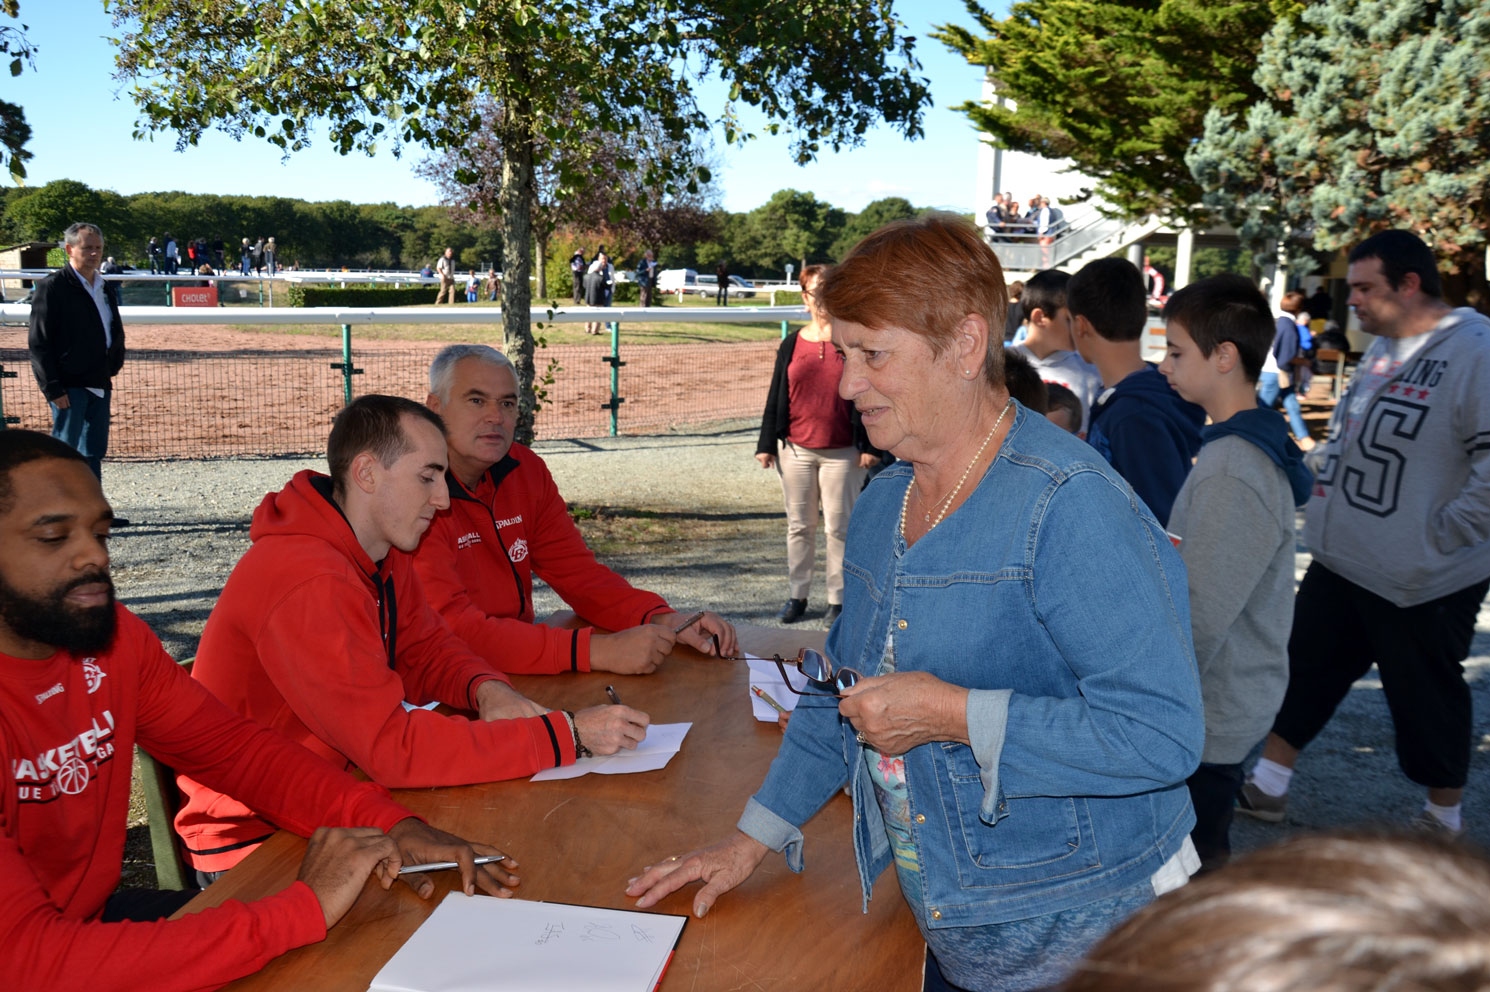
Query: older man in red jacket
506, 523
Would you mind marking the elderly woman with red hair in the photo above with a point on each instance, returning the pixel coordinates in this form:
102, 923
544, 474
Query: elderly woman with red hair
1010, 694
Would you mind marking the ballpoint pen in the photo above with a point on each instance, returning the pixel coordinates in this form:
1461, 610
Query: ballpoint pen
485, 859
766, 698
610, 691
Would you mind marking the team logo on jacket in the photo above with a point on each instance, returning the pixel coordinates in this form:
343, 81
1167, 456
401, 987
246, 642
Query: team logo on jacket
67, 769
92, 674
467, 540
519, 550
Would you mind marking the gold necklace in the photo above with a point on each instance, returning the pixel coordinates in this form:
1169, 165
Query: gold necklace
905, 502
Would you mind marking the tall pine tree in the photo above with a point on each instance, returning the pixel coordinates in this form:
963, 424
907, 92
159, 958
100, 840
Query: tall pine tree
1119, 88
1376, 115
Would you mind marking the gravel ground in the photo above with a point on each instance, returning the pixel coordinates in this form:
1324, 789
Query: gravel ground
711, 535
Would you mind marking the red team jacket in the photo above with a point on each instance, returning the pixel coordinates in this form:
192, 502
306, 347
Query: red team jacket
478, 559
297, 643
68, 727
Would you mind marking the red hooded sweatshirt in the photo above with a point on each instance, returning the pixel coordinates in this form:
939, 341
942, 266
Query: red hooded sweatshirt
68, 727
313, 638
478, 558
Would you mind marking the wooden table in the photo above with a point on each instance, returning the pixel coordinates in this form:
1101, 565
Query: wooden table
580, 840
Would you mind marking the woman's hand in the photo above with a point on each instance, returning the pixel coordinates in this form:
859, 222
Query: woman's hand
767, 461
894, 713
720, 867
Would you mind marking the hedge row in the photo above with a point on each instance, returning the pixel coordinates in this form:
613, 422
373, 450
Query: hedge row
302, 295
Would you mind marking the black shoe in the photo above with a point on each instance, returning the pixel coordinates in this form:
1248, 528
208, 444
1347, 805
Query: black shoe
119, 522
833, 610
792, 611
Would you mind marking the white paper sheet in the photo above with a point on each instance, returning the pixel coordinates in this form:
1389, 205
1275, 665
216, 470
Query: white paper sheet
663, 740
411, 707
479, 943
764, 673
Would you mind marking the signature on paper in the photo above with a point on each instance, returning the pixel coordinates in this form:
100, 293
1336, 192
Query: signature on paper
595, 933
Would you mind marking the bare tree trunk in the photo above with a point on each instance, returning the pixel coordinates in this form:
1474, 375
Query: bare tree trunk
540, 242
517, 253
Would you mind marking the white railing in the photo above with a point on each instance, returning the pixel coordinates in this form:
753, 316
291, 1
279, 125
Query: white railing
21, 312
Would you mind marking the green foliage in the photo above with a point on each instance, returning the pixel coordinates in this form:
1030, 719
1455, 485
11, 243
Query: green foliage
321, 235
873, 217
1377, 116
625, 293
42, 213
1206, 262
17, 50
315, 295
405, 72
788, 228
1119, 88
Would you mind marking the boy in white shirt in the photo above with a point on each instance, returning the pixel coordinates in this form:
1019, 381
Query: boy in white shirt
1049, 345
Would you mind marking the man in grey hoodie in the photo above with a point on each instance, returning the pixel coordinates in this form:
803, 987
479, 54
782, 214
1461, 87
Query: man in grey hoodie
1399, 526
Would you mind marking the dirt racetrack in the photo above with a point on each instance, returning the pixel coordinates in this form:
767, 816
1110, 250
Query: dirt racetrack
193, 391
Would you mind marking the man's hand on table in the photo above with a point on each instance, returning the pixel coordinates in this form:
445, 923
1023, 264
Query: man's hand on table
710, 634
338, 861
637, 651
419, 844
496, 700
608, 729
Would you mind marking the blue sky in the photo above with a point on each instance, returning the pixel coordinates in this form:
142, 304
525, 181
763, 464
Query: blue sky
81, 120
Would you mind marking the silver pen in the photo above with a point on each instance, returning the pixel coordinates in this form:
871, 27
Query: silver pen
484, 859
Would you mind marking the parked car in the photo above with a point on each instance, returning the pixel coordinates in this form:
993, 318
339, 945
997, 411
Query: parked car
743, 288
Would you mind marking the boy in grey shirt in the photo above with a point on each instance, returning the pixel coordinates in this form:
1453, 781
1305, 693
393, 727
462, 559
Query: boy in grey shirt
1233, 520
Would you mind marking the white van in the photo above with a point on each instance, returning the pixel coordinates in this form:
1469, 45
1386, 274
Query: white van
675, 280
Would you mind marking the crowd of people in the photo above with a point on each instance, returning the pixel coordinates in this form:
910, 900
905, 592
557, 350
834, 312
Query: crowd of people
1009, 220
1062, 618
168, 256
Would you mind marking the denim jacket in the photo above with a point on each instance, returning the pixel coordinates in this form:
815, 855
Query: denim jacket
1055, 596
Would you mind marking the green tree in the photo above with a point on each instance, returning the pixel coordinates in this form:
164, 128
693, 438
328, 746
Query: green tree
873, 217
603, 194
1376, 116
408, 72
14, 131
1119, 88
43, 213
791, 227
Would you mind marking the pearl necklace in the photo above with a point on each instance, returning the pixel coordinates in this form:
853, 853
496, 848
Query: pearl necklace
905, 502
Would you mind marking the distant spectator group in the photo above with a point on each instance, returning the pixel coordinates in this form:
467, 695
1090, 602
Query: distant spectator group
1008, 220
167, 255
